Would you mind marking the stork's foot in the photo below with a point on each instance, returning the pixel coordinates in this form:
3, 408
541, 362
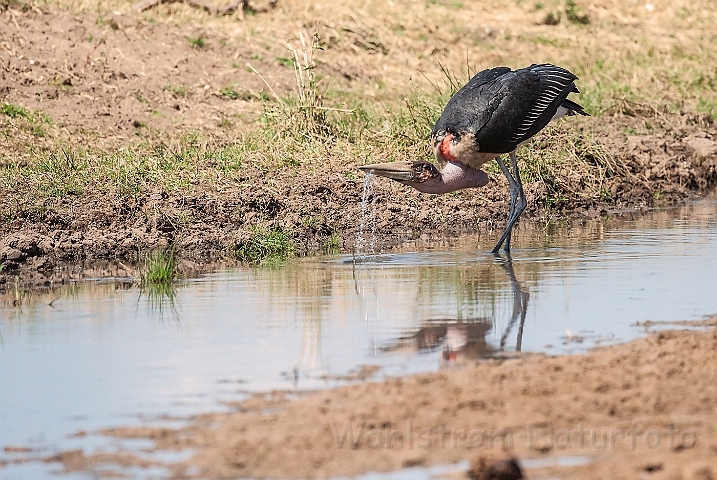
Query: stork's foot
505, 238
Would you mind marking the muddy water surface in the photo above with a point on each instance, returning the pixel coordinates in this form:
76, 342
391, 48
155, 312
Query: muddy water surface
103, 353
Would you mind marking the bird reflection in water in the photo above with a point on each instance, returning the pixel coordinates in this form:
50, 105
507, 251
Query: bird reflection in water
465, 339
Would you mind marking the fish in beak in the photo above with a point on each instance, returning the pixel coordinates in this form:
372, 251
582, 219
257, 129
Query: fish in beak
404, 172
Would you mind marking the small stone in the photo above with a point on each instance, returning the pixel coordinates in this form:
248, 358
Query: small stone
46, 245
495, 465
44, 263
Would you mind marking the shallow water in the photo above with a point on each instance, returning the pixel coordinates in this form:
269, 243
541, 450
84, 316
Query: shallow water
104, 353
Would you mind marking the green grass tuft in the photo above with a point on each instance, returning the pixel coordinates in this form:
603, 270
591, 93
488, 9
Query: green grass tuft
287, 62
197, 42
179, 90
14, 111
332, 245
231, 94
708, 106
265, 244
575, 14
160, 268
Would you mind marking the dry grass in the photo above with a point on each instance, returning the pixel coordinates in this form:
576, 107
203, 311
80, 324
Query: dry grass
662, 52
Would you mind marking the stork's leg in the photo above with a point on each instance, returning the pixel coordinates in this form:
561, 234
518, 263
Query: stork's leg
513, 198
514, 192
516, 188
523, 202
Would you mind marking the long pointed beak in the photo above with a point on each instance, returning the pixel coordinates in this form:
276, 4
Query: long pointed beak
403, 171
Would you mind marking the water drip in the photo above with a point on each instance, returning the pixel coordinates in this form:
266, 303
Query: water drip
371, 220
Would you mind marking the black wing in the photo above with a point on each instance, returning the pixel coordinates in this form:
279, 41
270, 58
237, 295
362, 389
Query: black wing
529, 98
461, 109
509, 108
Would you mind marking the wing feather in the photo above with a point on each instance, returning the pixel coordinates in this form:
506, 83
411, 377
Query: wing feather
470, 103
500, 108
553, 86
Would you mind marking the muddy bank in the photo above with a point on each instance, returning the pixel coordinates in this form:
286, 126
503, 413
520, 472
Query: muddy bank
647, 407
323, 204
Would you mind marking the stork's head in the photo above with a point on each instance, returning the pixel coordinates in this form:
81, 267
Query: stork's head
427, 178
444, 143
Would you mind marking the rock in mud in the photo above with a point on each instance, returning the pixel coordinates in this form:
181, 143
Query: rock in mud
493, 465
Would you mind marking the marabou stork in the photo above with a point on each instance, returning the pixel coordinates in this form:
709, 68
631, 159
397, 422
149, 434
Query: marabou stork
497, 111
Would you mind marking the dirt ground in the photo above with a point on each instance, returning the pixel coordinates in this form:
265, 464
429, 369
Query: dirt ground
112, 78
645, 409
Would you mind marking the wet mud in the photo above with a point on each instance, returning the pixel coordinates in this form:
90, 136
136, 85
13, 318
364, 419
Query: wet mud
643, 408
